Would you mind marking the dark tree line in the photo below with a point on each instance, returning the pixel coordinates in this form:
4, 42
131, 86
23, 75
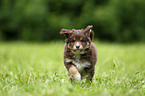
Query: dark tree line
41, 20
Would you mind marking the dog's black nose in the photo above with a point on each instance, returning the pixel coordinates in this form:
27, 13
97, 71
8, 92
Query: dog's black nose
77, 47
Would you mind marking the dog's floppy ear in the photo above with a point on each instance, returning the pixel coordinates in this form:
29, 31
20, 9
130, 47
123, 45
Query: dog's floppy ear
66, 32
89, 32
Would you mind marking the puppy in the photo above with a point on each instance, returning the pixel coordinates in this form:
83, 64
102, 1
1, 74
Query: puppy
80, 54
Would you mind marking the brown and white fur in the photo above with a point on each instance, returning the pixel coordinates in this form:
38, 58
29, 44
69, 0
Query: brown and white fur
80, 54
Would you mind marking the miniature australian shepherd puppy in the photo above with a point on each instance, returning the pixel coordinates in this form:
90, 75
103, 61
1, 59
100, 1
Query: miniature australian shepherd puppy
80, 54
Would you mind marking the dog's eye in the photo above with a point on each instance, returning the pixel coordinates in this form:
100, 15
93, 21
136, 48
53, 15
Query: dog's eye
73, 41
83, 41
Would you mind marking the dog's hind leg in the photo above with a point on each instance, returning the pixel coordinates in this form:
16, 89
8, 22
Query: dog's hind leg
90, 74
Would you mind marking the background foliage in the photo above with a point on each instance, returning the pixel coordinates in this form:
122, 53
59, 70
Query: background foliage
41, 20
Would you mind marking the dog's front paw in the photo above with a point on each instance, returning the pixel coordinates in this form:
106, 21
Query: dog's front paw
77, 77
74, 73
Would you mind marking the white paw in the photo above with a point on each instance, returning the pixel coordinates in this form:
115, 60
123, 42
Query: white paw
78, 77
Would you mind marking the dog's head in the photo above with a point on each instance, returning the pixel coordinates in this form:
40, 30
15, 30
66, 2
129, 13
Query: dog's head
78, 40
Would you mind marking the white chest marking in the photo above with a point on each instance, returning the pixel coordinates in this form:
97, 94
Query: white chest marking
81, 65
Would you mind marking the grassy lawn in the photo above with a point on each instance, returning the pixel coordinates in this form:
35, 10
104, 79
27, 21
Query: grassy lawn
35, 69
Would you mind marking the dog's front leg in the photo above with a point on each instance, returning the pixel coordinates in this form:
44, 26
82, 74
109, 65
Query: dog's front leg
74, 73
72, 70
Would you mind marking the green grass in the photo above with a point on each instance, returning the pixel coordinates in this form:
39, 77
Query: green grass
35, 69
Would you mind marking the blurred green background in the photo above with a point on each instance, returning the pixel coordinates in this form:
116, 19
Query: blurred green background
41, 20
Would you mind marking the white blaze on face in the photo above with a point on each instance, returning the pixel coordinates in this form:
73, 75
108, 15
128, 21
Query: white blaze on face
77, 44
